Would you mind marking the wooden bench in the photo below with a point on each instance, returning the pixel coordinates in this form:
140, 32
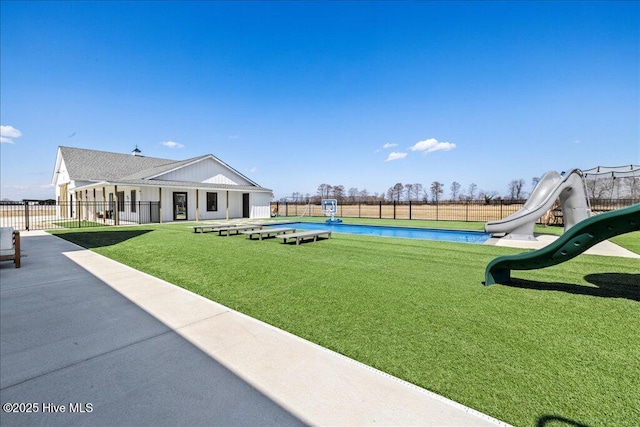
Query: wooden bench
268, 232
237, 229
301, 235
10, 245
202, 228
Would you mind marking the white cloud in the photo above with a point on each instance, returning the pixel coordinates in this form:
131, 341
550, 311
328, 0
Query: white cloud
385, 146
395, 156
172, 144
8, 133
432, 144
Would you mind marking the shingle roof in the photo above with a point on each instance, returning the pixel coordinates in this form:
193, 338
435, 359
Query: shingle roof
98, 166
93, 165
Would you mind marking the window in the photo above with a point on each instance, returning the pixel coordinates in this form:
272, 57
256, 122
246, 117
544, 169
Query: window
133, 201
120, 201
212, 202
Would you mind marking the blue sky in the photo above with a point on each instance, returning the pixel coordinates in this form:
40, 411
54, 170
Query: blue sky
296, 94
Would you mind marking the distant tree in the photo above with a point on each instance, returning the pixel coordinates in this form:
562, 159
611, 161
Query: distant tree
353, 194
417, 191
323, 190
455, 190
515, 189
395, 193
337, 191
408, 189
487, 196
534, 181
472, 191
437, 189
364, 195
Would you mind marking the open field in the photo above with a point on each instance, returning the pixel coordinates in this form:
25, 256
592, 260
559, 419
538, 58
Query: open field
557, 343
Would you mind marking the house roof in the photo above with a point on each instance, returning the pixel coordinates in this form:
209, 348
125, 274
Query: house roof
117, 168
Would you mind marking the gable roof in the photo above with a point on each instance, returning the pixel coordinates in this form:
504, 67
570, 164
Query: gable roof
103, 166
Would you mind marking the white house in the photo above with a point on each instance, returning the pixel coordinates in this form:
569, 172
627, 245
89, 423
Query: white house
120, 187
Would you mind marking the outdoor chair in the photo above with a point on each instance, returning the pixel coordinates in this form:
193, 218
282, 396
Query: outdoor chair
10, 245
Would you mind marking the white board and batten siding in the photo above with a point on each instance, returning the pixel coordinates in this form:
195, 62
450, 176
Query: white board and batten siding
207, 171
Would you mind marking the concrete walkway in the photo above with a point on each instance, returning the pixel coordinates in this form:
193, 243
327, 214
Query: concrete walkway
110, 345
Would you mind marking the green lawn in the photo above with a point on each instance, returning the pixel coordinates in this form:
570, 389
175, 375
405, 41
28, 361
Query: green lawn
557, 343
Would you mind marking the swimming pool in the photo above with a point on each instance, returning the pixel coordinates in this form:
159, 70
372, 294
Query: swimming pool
477, 237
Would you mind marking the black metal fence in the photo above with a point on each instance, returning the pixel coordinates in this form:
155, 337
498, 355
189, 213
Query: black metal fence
469, 210
44, 215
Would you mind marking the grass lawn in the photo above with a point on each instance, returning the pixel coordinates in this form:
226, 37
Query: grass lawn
557, 343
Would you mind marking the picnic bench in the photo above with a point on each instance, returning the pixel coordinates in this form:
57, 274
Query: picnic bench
237, 229
268, 232
209, 227
301, 235
10, 245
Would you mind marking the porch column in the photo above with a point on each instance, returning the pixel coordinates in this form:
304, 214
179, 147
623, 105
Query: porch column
160, 203
116, 214
197, 205
104, 205
227, 207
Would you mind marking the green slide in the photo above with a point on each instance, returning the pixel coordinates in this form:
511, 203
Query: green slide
572, 243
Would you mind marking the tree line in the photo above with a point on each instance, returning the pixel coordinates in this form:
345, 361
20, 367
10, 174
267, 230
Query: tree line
399, 192
438, 191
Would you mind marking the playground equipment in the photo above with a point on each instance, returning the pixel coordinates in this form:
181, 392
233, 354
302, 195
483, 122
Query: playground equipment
330, 208
572, 243
571, 191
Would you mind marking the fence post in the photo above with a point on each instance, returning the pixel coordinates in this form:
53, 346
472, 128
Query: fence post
380, 209
501, 216
394, 209
409, 209
26, 215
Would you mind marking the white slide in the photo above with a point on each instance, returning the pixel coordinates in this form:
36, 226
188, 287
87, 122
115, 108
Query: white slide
569, 188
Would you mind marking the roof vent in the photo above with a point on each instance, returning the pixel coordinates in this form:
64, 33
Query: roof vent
136, 152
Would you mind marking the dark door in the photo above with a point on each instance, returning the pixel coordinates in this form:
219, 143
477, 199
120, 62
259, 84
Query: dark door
245, 205
179, 206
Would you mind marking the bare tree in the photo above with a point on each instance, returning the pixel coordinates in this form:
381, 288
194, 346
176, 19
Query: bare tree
338, 192
353, 194
487, 196
534, 181
417, 191
515, 189
395, 192
472, 191
323, 190
408, 188
437, 189
455, 190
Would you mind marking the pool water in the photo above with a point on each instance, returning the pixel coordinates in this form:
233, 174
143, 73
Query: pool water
477, 237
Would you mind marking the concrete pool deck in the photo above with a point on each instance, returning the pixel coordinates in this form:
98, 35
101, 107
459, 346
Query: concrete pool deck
605, 248
115, 346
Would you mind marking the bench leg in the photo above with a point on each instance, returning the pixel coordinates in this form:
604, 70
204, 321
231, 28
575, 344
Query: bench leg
16, 260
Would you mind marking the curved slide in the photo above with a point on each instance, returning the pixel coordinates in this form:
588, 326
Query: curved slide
572, 243
569, 188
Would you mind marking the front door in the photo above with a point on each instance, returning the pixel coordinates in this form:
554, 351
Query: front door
179, 206
245, 205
